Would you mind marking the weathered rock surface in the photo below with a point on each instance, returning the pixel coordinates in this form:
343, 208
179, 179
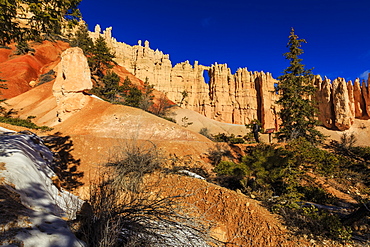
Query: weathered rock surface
230, 98
340, 102
73, 77
342, 105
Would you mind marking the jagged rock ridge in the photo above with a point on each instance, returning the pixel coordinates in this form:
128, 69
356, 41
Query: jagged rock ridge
230, 98
234, 98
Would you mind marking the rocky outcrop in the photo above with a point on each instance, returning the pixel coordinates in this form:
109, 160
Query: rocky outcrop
235, 98
340, 102
342, 105
73, 77
230, 98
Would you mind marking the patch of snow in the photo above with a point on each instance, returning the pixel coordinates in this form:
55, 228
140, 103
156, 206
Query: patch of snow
191, 174
27, 162
4, 130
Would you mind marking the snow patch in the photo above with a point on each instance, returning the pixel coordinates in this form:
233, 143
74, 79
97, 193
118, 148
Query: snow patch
27, 162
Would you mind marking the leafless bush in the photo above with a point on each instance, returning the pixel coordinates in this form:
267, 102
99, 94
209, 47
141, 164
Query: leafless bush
347, 140
130, 208
129, 165
217, 153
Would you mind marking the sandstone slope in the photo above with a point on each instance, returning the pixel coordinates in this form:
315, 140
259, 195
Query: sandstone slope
21, 71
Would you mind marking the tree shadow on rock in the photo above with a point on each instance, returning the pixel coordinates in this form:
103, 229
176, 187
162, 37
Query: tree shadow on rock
11, 211
40, 221
64, 164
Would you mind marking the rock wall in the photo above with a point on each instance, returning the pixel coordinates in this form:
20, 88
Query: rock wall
340, 102
231, 98
235, 98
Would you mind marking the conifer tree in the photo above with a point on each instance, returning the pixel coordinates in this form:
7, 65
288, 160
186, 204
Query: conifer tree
101, 57
111, 87
296, 89
9, 28
131, 93
147, 96
83, 40
43, 18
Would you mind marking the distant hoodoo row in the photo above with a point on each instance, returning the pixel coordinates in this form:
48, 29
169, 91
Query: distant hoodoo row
234, 98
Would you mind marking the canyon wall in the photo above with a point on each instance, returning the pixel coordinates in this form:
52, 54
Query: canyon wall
234, 98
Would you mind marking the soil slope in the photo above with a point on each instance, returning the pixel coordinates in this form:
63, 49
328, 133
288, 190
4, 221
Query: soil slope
20, 70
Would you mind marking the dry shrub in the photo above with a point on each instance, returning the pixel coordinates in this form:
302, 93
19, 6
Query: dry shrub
130, 164
129, 208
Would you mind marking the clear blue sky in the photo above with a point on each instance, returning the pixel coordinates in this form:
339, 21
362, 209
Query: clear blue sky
244, 33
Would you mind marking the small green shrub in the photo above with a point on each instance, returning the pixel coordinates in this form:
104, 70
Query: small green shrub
362, 152
311, 156
232, 169
231, 139
326, 223
23, 123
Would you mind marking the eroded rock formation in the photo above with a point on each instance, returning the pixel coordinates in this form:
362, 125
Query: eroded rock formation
231, 98
235, 98
73, 77
340, 102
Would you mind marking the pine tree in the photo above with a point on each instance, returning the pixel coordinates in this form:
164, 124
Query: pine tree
111, 86
296, 89
10, 29
101, 57
109, 89
83, 40
131, 93
147, 96
50, 17
44, 18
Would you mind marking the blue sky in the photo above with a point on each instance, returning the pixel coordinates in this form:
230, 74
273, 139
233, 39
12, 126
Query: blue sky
244, 33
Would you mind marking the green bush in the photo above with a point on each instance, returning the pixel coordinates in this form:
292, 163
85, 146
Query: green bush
23, 123
311, 156
232, 169
326, 223
273, 175
231, 139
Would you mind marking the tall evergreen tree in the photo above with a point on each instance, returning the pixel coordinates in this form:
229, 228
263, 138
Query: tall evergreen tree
131, 93
44, 17
9, 28
147, 97
101, 57
83, 40
111, 87
296, 89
